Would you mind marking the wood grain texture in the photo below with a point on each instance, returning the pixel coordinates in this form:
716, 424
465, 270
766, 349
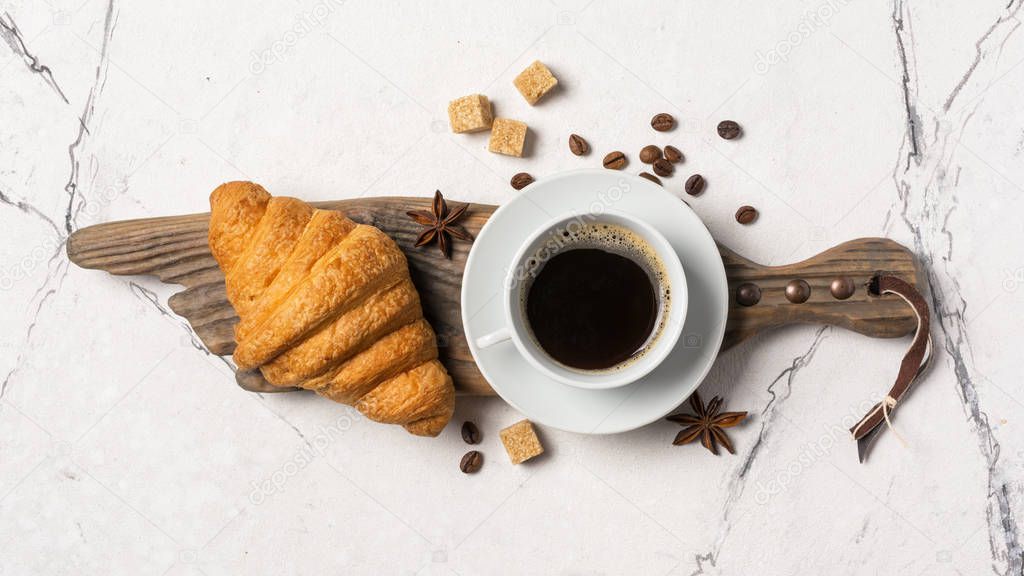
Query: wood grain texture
878, 316
174, 249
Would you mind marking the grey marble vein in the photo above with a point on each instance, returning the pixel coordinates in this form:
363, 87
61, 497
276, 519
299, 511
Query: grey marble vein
926, 198
263, 401
57, 265
57, 269
75, 201
770, 409
738, 481
909, 98
26, 207
981, 46
10, 33
151, 298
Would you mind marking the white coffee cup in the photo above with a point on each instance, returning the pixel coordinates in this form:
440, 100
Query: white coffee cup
544, 244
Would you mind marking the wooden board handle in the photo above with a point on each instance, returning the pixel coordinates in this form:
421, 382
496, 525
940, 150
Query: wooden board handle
174, 249
858, 260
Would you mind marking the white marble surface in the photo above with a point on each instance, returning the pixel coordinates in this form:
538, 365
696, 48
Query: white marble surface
126, 449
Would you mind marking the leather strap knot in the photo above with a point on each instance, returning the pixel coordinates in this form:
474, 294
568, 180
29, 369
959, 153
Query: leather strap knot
914, 364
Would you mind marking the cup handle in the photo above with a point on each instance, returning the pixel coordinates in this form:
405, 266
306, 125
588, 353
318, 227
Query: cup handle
488, 340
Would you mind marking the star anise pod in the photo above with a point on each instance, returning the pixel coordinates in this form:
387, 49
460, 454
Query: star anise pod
440, 225
707, 424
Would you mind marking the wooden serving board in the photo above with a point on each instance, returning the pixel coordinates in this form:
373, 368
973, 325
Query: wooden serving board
174, 249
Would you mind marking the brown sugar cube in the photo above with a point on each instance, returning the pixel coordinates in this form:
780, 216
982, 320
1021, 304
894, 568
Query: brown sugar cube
535, 82
521, 442
470, 114
507, 137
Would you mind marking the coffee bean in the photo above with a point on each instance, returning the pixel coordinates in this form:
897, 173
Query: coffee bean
651, 177
577, 145
650, 153
746, 214
729, 130
798, 291
663, 167
521, 180
615, 160
673, 155
663, 122
470, 433
842, 288
694, 185
471, 462
748, 294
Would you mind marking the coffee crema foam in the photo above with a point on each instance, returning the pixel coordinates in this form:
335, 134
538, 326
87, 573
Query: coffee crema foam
613, 238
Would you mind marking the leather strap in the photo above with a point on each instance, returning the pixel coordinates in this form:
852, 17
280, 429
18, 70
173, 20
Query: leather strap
915, 362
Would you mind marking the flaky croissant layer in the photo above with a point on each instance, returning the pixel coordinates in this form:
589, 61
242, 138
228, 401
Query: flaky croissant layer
328, 305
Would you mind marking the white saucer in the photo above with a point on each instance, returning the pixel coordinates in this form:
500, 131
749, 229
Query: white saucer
547, 401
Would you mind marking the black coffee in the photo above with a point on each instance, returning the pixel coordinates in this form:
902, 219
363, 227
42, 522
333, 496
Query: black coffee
592, 309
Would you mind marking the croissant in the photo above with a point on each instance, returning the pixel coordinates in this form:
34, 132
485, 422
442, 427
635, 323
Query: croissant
328, 305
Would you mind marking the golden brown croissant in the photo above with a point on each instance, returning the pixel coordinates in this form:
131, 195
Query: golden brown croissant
328, 305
